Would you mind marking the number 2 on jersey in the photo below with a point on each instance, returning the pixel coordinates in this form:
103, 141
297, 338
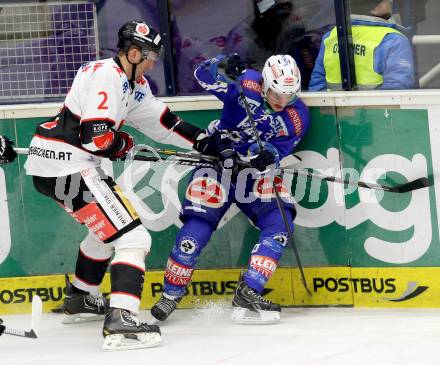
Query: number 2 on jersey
103, 104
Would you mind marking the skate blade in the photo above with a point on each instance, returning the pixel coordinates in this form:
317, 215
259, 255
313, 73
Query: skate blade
245, 316
81, 317
121, 342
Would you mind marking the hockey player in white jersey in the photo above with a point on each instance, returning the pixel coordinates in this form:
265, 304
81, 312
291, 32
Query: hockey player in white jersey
64, 160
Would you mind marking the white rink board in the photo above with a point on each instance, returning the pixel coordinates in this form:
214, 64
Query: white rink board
208, 102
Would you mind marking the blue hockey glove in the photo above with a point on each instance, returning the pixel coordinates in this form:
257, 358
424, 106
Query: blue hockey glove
262, 159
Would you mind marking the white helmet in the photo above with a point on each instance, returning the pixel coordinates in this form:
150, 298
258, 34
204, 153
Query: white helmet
281, 74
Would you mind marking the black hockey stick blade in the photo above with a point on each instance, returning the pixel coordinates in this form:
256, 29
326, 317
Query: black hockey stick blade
16, 332
419, 183
21, 333
37, 309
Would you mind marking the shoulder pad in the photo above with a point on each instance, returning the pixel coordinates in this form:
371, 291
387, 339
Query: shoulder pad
92, 67
251, 82
103, 70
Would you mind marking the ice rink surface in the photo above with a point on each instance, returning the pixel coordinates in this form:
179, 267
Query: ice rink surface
312, 336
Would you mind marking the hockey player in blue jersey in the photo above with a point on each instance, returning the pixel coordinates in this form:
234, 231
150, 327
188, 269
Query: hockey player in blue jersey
281, 119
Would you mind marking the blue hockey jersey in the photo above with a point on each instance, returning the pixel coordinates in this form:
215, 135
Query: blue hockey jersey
282, 129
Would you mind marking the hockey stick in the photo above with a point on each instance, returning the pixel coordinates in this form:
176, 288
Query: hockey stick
419, 183
21, 151
168, 153
195, 157
198, 156
274, 187
177, 161
37, 310
196, 160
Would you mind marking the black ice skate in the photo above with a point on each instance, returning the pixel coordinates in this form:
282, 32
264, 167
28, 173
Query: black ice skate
251, 308
123, 331
164, 307
80, 306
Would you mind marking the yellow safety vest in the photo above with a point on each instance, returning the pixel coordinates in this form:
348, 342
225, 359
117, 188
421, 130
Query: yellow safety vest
365, 40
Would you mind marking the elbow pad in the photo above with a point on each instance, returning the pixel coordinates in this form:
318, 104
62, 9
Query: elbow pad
98, 136
177, 125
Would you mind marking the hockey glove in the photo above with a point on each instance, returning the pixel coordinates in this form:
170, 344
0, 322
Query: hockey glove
219, 145
230, 68
7, 153
263, 159
207, 144
126, 144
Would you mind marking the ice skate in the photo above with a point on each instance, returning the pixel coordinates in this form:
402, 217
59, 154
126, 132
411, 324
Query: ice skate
80, 306
123, 331
251, 308
164, 307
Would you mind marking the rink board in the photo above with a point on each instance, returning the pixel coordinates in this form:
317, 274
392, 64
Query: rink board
339, 286
341, 231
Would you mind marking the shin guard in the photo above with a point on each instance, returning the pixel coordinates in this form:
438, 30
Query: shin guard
268, 251
127, 279
91, 264
190, 241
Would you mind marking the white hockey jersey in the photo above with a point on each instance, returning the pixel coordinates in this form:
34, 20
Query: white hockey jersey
100, 92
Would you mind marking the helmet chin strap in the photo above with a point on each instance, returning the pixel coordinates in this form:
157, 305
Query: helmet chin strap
133, 74
133, 70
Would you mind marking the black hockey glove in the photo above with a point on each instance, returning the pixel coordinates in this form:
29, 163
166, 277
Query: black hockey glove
7, 153
231, 66
219, 145
207, 144
126, 144
2, 328
263, 160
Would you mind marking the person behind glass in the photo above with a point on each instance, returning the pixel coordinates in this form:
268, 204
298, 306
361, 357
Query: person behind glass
383, 55
7, 153
281, 27
266, 32
64, 159
281, 119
